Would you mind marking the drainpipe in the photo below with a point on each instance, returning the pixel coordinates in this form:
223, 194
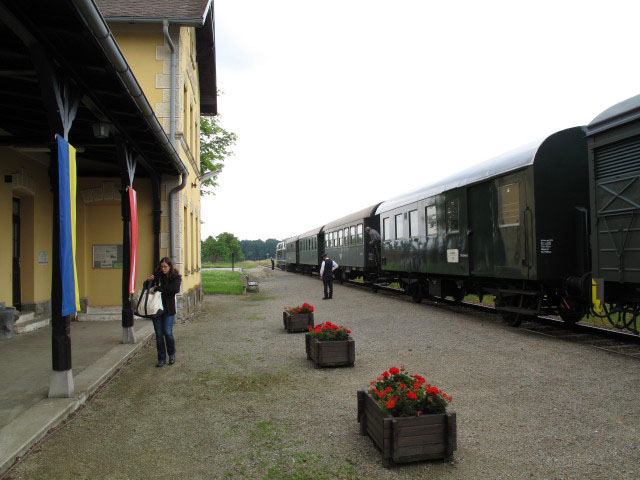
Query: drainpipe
172, 136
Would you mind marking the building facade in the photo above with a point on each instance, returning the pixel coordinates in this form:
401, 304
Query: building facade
125, 83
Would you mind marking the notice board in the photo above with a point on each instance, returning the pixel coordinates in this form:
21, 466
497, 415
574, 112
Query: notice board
107, 256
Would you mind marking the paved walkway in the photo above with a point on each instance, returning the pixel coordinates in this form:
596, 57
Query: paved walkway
242, 401
26, 413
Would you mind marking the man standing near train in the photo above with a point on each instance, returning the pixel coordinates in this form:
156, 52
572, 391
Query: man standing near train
326, 272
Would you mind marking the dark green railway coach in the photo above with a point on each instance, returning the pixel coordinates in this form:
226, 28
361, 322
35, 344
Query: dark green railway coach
291, 253
281, 255
515, 227
614, 165
345, 242
311, 248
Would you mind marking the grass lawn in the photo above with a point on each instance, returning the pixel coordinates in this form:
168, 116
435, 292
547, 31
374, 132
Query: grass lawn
243, 264
225, 282
486, 299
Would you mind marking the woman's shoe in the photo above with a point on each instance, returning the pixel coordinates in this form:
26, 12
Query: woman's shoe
172, 359
160, 364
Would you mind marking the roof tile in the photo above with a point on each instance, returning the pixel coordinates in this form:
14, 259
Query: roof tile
170, 9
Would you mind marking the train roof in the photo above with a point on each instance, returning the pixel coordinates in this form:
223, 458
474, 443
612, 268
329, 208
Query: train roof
311, 233
290, 239
360, 214
618, 114
513, 160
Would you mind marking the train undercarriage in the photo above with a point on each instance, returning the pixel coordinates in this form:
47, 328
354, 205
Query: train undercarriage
515, 300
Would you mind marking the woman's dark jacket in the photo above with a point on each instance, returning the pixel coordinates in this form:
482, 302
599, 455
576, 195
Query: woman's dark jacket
169, 287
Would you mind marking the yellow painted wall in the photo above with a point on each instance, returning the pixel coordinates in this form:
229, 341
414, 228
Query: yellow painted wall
35, 223
138, 43
100, 223
144, 49
189, 153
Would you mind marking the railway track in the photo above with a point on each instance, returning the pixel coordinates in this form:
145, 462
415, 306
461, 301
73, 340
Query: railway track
607, 339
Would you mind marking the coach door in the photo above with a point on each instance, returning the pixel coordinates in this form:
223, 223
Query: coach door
514, 236
501, 228
481, 229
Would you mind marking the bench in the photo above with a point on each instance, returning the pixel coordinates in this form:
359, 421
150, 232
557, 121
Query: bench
250, 284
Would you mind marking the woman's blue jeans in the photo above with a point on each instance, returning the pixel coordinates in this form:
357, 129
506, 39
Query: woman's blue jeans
163, 325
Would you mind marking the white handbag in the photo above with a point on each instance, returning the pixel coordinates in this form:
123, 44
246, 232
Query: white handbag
149, 303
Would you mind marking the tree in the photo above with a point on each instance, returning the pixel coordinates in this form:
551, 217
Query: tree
258, 249
232, 244
215, 147
214, 251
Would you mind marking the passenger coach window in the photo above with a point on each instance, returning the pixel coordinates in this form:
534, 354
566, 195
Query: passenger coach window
399, 225
326, 240
509, 205
413, 223
360, 236
451, 210
386, 235
339, 238
432, 220
353, 235
346, 236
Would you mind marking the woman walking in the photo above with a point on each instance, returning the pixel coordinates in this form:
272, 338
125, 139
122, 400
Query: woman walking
166, 280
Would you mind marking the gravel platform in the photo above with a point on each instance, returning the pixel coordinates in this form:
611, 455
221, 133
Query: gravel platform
242, 400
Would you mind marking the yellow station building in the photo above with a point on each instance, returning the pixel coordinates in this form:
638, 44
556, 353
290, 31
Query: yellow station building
126, 81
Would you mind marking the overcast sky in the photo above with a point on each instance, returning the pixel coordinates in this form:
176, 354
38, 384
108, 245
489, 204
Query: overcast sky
339, 105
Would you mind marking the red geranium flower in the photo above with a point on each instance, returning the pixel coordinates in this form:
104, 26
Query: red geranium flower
399, 394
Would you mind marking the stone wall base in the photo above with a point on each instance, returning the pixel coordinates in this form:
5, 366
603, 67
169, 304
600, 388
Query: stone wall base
189, 301
40, 309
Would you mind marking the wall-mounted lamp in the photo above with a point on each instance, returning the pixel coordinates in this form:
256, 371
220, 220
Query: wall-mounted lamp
101, 130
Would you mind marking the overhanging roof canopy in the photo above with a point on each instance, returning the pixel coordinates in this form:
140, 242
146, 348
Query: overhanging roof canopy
71, 45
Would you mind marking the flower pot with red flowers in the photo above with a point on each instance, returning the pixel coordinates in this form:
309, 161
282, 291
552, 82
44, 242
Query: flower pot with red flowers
330, 345
297, 319
407, 418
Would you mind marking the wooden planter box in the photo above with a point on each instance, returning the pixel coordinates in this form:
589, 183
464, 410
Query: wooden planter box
337, 353
297, 323
407, 439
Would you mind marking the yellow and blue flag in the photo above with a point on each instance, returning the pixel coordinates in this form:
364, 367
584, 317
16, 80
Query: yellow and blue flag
67, 184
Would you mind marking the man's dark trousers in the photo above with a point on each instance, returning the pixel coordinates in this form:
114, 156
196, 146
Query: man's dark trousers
327, 278
328, 287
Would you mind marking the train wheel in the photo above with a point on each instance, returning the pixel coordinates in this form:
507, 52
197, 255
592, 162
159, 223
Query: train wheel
374, 288
416, 292
570, 312
512, 319
341, 278
570, 318
458, 296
